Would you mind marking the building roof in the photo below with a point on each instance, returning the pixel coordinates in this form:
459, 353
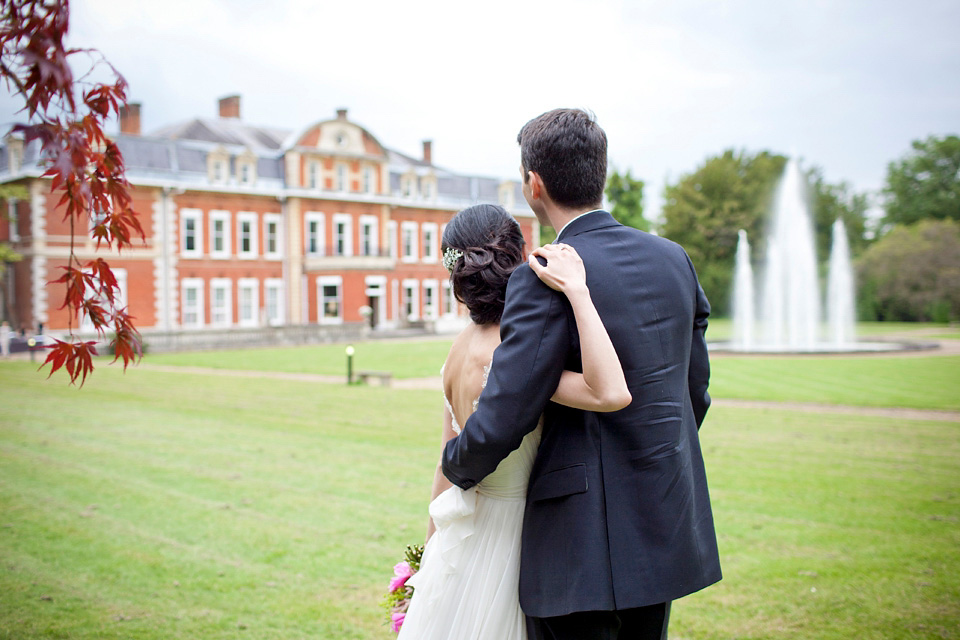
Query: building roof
176, 155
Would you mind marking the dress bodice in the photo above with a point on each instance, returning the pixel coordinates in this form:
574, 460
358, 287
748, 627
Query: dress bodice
509, 479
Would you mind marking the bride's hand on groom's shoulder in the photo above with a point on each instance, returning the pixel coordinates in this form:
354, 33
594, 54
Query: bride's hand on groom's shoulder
564, 270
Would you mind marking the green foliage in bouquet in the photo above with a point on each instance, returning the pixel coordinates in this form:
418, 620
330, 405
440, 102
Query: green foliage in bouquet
398, 596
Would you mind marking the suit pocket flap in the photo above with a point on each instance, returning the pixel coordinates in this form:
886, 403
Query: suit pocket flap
562, 482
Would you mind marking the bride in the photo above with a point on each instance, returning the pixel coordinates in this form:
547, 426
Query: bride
467, 586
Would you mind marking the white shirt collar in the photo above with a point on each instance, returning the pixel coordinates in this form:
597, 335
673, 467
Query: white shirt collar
576, 218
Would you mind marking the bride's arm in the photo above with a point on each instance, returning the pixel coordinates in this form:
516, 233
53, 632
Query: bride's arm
440, 482
601, 386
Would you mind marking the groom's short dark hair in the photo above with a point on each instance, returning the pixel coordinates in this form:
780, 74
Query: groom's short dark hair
568, 149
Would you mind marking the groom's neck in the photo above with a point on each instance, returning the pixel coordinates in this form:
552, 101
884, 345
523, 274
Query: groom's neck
560, 217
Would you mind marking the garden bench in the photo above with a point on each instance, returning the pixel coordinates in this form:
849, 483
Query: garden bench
385, 377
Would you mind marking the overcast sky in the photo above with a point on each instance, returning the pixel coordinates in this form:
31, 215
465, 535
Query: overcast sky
845, 85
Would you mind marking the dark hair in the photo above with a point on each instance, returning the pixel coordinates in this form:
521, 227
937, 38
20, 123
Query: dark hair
492, 246
568, 149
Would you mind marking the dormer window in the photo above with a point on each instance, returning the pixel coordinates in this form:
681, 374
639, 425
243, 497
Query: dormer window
218, 166
428, 187
247, 168
15, 160
506, 195
408, 185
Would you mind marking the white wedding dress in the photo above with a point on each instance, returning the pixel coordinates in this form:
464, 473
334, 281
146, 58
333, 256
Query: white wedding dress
467, 586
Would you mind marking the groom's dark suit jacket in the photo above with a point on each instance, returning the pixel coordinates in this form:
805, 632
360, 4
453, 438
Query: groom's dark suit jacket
617, 512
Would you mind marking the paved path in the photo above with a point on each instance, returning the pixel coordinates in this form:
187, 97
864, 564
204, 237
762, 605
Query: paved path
435, 384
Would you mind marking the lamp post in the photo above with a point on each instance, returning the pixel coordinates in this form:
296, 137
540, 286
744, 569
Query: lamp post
350, 352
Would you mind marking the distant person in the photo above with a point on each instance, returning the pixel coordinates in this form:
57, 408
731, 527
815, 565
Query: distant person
467, 585
5, 339
618, 521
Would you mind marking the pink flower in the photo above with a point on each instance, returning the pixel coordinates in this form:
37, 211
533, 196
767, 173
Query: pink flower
402, 573
396, 620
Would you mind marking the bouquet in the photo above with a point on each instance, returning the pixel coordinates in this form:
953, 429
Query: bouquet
398, 597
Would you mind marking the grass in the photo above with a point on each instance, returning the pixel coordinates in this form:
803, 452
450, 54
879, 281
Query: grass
168, 505
918, 382
721, 329
406, 359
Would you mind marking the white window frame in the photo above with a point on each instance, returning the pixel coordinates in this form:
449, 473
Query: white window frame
369, 180
248, 284
251, 218
376, 287
314, 175
185, 285
429, 232
431, 299
449, 301
340, 177
195, 216
220, 171
319, 237
347, 220
218, 215
392, 239
369, 229
226, 285
13, 220
277, 252
274, 317
408, 227
410, 290
329, 281
428, 188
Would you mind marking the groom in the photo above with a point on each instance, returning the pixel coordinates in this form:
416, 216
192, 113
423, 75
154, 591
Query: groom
617, 521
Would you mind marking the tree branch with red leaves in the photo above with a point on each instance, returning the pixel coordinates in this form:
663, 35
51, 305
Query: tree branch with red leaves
67, 117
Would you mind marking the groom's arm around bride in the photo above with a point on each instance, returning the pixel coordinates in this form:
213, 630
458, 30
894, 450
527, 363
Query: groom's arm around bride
618, 520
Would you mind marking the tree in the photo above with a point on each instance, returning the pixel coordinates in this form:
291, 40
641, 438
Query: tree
626, 197
67, 117
704, 210
925, 183
912, 273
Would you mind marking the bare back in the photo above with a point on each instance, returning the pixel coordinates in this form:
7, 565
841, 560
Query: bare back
464, 370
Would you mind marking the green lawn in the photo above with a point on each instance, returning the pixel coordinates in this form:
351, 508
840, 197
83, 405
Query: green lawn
405, 358
893, 381
157, 505
920, 382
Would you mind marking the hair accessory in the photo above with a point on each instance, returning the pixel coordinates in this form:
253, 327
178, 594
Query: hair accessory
450, 257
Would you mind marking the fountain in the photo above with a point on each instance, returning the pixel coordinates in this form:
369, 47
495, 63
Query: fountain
787, 317
743, 311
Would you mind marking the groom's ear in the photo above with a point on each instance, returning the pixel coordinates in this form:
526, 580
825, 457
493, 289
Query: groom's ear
536, 184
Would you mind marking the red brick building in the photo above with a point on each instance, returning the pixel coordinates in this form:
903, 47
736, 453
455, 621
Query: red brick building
253, 226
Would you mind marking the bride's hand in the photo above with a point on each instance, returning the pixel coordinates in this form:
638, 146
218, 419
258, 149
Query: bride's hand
564, 270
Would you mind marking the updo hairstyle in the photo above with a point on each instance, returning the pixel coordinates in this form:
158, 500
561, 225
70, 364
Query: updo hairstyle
492, 246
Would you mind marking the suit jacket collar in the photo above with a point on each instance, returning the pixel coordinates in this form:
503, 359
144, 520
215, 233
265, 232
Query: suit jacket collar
588, 222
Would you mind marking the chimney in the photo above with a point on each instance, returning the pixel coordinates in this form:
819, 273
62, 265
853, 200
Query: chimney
230, 107
428, 151
130, 119
341, 114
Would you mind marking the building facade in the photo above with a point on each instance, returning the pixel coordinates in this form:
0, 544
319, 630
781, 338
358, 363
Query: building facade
251, 226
